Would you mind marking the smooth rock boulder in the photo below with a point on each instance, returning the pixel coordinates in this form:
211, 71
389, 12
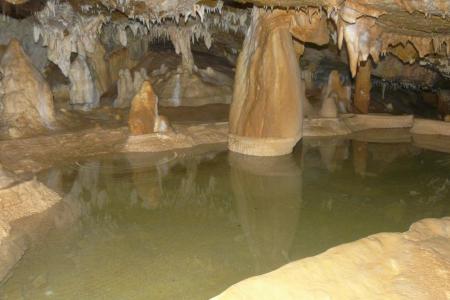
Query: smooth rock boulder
26, 100
410, 265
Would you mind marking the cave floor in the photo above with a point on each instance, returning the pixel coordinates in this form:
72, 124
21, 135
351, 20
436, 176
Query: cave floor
187, 224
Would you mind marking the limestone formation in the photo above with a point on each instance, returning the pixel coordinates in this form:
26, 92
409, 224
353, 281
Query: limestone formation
409, 265
200, 87
19, 202
128, 86
84, 94
329, 107
342, 93
100, 68
362, 87
25, 97
267, 111
144, 117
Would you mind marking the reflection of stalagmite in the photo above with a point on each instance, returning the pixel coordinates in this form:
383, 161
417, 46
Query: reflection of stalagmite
266, 114
268, 194
360, 154
333, 153
362, 87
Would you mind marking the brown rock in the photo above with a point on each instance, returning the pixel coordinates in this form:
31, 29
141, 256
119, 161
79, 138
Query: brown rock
25, 97
363, 86
144, 111
267, 111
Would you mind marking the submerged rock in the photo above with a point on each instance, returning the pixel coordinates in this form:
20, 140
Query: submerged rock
25, 97
410, 265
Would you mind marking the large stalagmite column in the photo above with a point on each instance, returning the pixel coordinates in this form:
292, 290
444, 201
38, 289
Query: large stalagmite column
267, 111
363, 86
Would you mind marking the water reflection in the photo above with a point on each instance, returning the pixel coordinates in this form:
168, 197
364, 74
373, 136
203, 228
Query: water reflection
268, 195
160, 220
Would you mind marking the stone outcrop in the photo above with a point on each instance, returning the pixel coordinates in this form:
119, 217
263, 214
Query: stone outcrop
267, 110
342, 92
26, 99
144, 117
100, 68
409, 265
84, 94
329, 107
128, 85
18, 204
200, 87
363, 86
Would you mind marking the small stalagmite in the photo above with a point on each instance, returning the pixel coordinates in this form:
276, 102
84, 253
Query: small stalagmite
144, 118
329, 108
26, 101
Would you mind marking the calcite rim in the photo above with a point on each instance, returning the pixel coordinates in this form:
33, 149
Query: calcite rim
262, 146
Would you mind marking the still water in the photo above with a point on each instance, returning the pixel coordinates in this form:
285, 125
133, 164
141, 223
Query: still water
186, 225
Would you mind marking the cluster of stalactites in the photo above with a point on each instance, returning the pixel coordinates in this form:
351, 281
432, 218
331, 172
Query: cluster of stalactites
159, 11
195, 28
63, 32
365, 37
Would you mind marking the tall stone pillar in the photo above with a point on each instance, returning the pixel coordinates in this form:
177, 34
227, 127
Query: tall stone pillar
363, 86
267, 110
266, 113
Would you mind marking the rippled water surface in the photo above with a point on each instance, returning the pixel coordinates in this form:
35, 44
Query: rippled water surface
187, 225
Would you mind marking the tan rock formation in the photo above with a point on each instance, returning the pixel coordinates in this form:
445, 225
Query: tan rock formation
267, 110
20, 202
26, 98
118, 60
128, 85
200, 87
329, 107
144, 118
100, 68
363, 86
342, 92
84, 94
409, 265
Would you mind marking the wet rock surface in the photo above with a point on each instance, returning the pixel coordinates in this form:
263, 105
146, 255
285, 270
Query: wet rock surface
409, 265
